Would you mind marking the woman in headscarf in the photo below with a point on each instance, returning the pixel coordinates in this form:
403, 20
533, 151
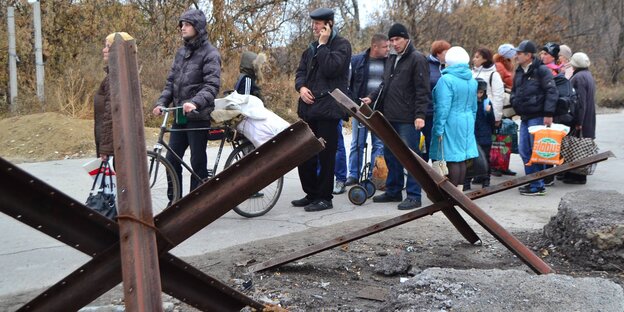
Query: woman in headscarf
103, 127
585, 86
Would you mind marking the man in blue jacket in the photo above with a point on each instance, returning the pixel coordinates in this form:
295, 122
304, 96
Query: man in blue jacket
193, 83
534, 97
404, 97
324, 66
367, 70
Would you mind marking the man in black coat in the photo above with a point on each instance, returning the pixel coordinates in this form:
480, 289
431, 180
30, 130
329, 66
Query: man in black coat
324, 66
193, 83
404, 96
534, 97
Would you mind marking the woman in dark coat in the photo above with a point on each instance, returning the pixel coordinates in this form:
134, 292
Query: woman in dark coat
585, 86
103, 127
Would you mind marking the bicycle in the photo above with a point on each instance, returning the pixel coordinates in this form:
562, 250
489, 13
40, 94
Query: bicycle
164, 183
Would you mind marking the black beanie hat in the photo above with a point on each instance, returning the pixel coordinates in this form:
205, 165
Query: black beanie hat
398, 30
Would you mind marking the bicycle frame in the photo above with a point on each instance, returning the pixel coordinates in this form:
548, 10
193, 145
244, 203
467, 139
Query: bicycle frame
229, 136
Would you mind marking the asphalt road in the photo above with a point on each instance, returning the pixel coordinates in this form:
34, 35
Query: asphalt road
31, 260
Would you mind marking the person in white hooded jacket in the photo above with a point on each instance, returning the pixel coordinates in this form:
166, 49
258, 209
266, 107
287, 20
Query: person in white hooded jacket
484, 68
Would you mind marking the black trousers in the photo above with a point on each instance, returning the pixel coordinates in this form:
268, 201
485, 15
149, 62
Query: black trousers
317, 173
197, 141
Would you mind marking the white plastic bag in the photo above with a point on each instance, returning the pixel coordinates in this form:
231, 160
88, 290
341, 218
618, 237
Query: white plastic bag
92, 167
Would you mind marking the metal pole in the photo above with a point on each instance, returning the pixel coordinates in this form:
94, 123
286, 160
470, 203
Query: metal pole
38, 51
12, 60
139, 253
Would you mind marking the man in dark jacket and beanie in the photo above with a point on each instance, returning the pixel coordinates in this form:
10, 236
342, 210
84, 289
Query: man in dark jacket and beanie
193, 83
404, 96
534, 97
324, 66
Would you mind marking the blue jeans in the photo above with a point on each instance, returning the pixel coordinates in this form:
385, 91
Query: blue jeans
525, 147
356, 154
394, 183
340, 171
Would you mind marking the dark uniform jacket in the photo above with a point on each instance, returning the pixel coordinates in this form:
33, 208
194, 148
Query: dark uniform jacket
534, 93
103, 120
405, 92
323, 69
195, 73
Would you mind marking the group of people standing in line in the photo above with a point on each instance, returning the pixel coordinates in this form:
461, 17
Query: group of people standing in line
455, 106
439, 96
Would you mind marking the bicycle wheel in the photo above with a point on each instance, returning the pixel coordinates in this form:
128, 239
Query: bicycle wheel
161, 175
261, 202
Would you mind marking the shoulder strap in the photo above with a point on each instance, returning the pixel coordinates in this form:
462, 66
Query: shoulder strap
492, 74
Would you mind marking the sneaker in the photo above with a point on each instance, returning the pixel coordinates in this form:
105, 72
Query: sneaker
409, 203
466, 187
351, 181
476, 180
301, 202
319, 205
339, 188
532, 191
498, 173
385, 198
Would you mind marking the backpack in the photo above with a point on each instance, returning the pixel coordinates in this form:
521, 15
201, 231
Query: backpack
568, 102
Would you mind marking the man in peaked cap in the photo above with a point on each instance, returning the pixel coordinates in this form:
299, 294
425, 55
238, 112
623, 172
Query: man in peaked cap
324, 66
403, 98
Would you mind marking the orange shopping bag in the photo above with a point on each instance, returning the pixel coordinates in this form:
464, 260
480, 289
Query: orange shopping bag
547, 144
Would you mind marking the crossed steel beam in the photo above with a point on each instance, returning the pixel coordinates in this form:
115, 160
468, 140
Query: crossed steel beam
442, 193
35, 203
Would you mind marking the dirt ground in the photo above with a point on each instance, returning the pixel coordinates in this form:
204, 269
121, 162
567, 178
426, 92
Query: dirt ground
339, 278
50, 136
334, 280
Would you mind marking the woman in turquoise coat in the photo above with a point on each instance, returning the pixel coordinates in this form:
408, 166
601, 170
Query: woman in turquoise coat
455, 109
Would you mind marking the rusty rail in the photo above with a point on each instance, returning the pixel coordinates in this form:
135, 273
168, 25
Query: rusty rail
429, 210
33, 202
139, 256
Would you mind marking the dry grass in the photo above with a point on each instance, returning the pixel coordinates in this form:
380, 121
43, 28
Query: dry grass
610, 96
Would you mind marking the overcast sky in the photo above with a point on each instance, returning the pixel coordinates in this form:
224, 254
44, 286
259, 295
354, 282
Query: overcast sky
367, 8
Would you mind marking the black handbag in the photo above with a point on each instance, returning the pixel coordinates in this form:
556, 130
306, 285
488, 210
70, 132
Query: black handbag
98, 199
477, 167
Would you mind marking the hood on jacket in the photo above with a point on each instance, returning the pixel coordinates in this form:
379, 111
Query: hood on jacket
481, 69
461, 71
197, 19
252, 63
434, 60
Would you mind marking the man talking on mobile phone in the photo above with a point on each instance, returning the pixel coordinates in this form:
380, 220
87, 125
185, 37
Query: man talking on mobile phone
324, 66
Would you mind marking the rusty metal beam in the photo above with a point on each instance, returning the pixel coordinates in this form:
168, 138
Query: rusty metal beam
139, 255
35, 203
422, 172
437, 187
198, 209
429, 210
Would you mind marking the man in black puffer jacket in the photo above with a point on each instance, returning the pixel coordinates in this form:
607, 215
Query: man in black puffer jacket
534, 97
324, 66
193, 83
404, 97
